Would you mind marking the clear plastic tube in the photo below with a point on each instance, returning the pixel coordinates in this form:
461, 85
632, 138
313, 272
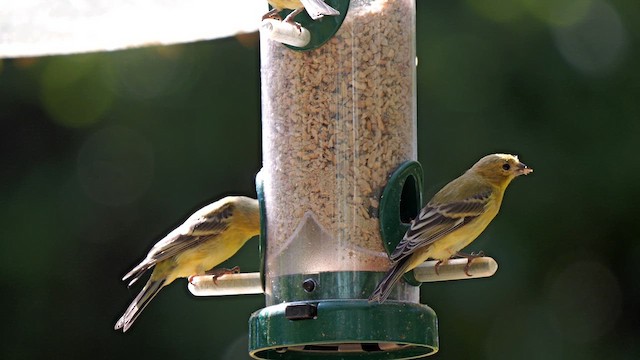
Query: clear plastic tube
337, 121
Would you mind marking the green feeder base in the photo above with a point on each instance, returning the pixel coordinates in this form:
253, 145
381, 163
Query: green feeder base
343, 329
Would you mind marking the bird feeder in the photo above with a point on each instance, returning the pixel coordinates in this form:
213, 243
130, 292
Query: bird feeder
339, 186
338, 121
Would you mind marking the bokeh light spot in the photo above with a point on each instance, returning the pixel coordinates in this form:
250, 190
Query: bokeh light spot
115, 166
558, 12
596, 43
584, 301
25, 62
74, 90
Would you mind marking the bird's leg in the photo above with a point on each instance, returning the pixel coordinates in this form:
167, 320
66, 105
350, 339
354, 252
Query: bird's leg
438, 264
272, 14
470, 258
216, 273
291, 16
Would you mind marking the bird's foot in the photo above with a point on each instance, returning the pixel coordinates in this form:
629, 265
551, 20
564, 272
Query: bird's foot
216, 273
438, 264
291, 16
470, 258
272, 14
297, 25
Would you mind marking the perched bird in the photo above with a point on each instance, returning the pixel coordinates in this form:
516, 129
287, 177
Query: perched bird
315, 8
208, 237
453, 218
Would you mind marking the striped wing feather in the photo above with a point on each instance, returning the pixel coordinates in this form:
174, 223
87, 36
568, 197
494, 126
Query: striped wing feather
435, 221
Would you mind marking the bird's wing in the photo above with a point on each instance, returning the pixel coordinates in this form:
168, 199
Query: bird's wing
437, 220
196, 230
193, 232
318, 8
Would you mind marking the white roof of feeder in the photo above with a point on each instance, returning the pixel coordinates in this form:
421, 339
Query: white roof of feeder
53, 27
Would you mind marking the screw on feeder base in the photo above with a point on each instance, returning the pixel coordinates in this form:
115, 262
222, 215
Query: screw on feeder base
309, 285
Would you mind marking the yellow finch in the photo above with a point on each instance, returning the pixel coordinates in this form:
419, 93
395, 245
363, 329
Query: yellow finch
453, 218
208, 237
315, 8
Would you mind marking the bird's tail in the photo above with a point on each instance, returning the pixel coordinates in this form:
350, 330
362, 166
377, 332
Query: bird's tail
148, 292
137, 272
383, 290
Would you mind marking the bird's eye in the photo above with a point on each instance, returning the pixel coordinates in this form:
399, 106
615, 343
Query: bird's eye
506, 166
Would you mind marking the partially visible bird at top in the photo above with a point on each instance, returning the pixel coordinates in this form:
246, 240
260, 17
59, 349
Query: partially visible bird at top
315, 8
207, 238
453, 218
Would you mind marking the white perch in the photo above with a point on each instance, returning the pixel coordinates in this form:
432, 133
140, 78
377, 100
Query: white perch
229, 284
454, 269
285, 33
250, 283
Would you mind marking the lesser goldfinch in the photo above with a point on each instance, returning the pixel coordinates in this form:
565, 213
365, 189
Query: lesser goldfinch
207, 238
453, 218
315, 8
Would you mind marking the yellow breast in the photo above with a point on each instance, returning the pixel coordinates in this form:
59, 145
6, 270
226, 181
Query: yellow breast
203, 257
450, 244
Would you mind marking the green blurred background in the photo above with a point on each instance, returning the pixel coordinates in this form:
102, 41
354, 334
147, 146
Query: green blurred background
105, 153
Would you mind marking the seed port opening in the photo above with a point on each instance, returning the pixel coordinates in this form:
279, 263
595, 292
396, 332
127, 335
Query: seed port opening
409, 200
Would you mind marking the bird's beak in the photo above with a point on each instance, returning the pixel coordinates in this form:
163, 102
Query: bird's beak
523, 169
